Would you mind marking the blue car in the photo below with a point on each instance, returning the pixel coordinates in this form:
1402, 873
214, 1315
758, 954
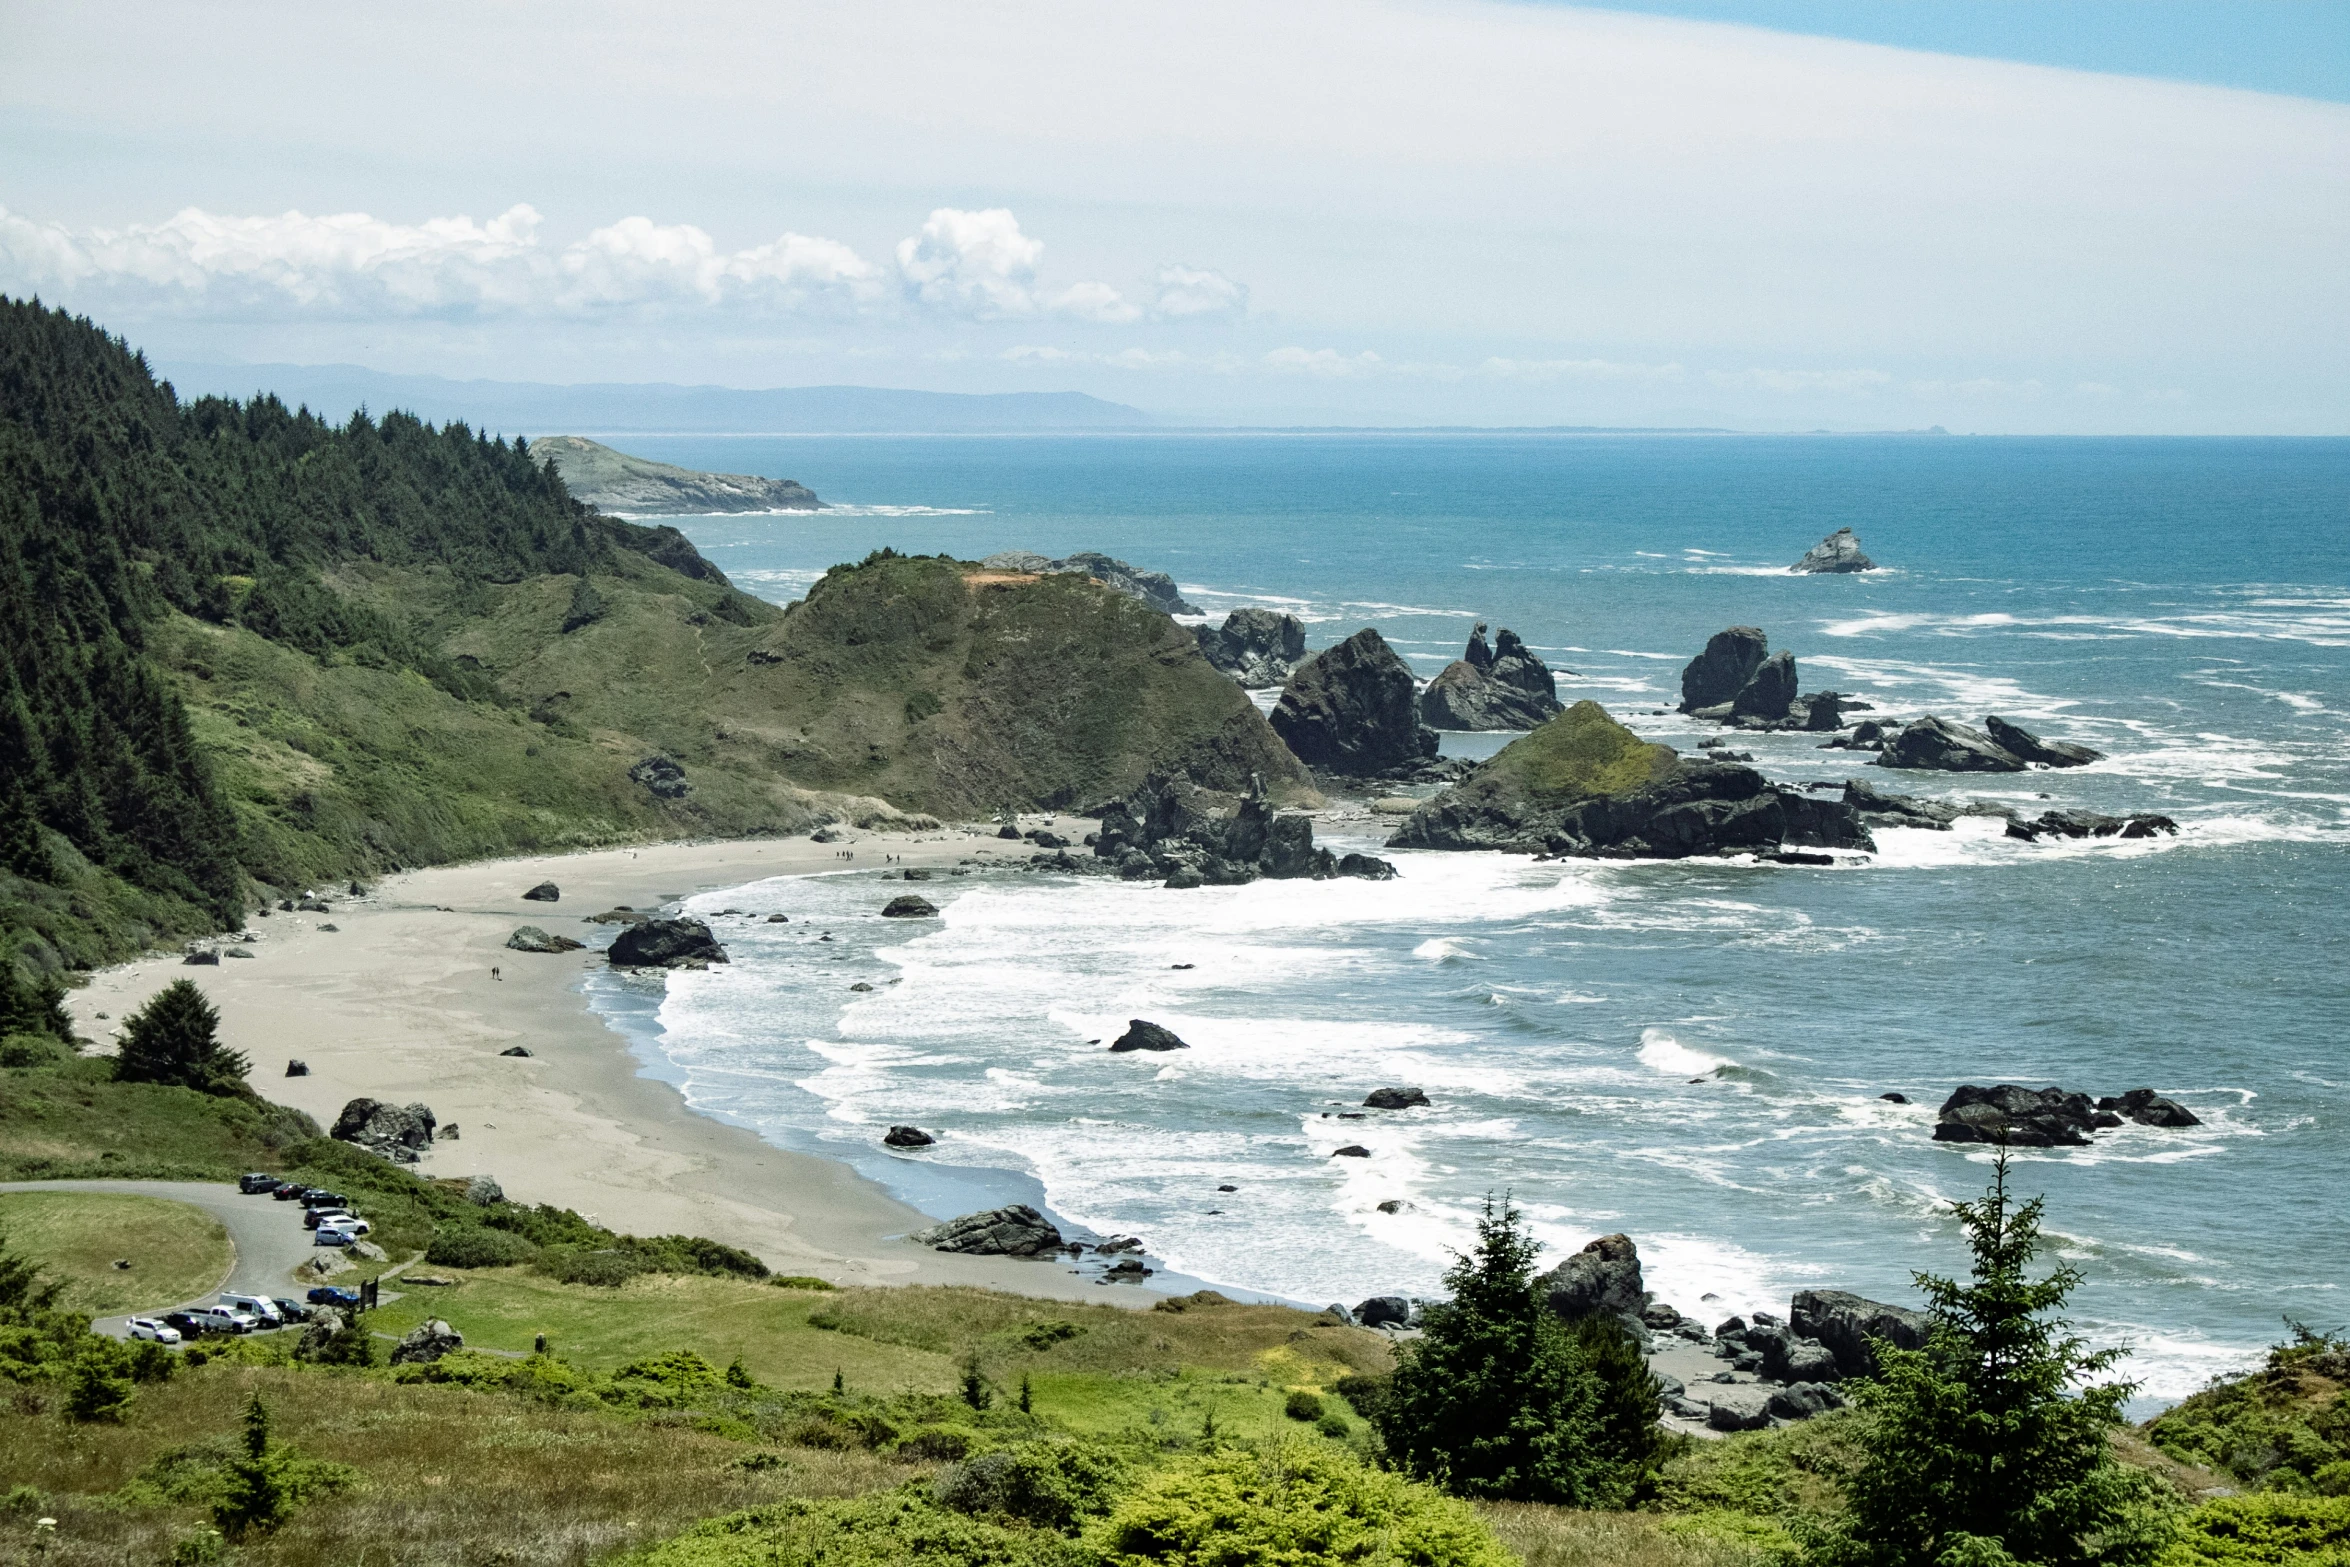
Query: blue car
329, 1295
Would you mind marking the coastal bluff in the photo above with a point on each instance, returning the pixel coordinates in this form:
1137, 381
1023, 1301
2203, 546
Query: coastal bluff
626, 486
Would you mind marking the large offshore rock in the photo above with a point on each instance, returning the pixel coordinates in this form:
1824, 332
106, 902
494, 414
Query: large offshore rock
1257, 647
1838, 552
1503, 687
1601, 1279
1144, 1035
1583, 784
665, 944
1932, 744
1014, 1231
1718, 674
1848, 1325
2148, 1108
2018, 741
2022, 1117
1769, 692
1352, 709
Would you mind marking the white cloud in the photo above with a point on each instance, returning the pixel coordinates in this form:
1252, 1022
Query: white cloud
1188, 293
1758, 380
1125, 358
352, 264
1324, 363
1096, 302
1538, 370
978, 263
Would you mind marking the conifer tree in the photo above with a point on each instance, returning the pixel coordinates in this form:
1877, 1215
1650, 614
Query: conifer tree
1989, 1446
1495, 1401
175, 1039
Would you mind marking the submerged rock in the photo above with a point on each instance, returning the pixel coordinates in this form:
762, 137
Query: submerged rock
1502, 687
1583, 784
665, 944
1257, 647
1352, 710
907, 1137
1838, 552
2021, 742
1014, 1231
1394, 1099
1932, 744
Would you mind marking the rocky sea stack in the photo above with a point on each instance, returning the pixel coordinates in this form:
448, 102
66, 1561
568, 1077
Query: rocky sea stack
1257, 647
1353, 710
1838, 552
1504, 686
1583, 784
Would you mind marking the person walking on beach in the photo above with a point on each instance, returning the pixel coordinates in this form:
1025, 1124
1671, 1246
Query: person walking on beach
494, 974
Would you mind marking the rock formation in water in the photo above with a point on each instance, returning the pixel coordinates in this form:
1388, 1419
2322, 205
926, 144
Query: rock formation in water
665, 944
1583, 784
1353, 710
1503, 687
1838, 552
1257, 647
1603, 1279
2020, 742
1738, 681
1154, 588
2048, 1117
1171, 828
1715, 676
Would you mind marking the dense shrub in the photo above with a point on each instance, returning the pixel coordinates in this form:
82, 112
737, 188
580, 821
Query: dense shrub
2241, 1531
2284, 1426
1053, 1485
1294, 1503
900, 1528
477, 1246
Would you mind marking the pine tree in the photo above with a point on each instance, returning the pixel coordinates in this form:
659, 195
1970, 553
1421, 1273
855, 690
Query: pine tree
255, 1497
1981, 1451
1494, 1401
175, 1039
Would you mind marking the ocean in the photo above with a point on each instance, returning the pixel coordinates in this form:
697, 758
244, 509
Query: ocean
1691, 1053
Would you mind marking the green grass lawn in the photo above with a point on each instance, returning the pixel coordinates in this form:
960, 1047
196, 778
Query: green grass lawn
175, 1252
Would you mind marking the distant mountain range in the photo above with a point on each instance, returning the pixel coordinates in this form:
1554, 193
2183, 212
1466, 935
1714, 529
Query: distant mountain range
612, 408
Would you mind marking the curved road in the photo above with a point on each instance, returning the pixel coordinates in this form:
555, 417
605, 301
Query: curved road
268, 1235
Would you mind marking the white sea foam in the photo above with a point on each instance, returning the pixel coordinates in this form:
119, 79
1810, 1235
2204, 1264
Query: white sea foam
882, 510
1662, 1052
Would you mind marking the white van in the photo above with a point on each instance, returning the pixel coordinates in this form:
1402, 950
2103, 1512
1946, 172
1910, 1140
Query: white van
262, 1309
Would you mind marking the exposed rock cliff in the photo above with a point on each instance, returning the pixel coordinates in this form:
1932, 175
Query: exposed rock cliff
1154, 588
1838, 552
638, 487
1256, 647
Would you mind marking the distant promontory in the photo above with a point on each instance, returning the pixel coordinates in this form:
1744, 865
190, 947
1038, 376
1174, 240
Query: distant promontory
628, 486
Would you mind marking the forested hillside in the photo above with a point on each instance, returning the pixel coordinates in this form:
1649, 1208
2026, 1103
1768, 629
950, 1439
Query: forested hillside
244, 649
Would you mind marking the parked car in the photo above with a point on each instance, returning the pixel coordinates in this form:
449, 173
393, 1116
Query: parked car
317, 1198
328, 1235
187, 1324
291, 1310
287, 1191
160, 1332
225, 1319
332, 1295
260, 1308
343, 1217
256, 1183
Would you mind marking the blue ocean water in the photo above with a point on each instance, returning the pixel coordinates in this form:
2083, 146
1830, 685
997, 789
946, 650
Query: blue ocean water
1689, 1052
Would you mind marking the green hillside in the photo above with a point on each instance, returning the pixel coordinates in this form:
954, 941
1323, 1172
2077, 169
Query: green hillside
244, 650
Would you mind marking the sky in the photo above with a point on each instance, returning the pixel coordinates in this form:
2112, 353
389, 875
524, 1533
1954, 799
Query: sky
2071, 216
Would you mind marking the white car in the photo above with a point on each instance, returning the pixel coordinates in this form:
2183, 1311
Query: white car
321, 1218
148, 1327
262, 1309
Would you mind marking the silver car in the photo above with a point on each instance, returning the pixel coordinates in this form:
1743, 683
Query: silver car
149, 1328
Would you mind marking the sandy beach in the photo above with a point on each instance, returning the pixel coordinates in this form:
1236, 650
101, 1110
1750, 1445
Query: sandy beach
397, 1002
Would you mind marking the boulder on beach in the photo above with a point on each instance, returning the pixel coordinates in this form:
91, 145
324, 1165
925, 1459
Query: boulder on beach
1257, 647
1932, 744
1394, 1099
1384, 1311
1353, 710
398, 1132
1603, 1279
297, 1068
908, 906
529, 938
1142, 1035
907, 1137
484, 1192
1716, 675
1505, 686
1838, 552
1850, 1326
515, 1050
665, 944
1804, 1400
1014, 1231
544, 892
2021, 742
